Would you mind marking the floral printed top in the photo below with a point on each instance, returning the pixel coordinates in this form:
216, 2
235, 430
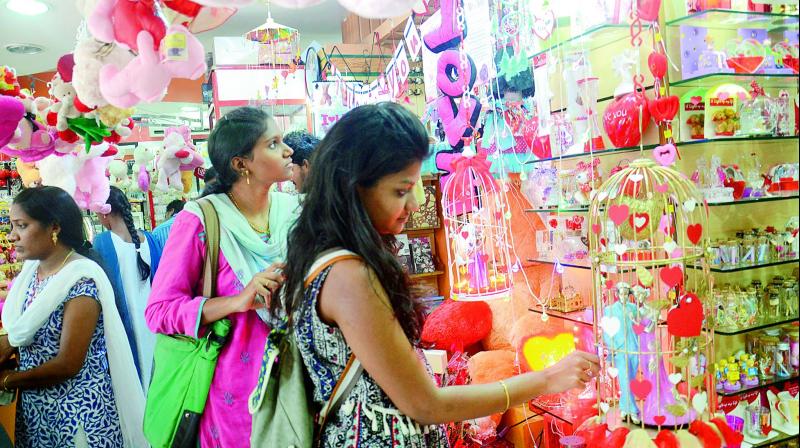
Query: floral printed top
82, 406
367, 418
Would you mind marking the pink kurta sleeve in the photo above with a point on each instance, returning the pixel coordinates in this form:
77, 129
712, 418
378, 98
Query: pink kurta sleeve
175, 302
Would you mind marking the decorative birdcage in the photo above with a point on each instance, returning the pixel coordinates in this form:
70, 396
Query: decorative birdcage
651, 289
476, 226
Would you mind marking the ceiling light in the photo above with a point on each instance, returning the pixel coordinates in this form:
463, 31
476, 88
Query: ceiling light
24, 48
27, 7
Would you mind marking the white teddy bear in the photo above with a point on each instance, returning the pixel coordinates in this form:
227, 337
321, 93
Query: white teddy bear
65, 93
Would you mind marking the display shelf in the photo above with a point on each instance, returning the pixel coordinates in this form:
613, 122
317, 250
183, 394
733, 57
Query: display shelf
583, 317
754, 200
426, 274
767, 81
582, 265
780, 438
593, 38
773, 382
747, 268
630, 149
758, 326
557, 210
726, 19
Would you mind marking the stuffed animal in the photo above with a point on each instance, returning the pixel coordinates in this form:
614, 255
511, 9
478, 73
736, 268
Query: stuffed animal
28, 173
142, 156
456, 325
121, 21
91, 183
64, 107
119, 174
175, 154
60, 171
90, 56
147, 76
9, 85
21, 136
11, 112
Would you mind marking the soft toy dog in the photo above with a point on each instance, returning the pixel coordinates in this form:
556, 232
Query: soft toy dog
90, 56
147, 76
121, 21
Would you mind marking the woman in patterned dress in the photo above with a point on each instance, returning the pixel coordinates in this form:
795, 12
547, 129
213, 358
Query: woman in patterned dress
359, 196
76, 376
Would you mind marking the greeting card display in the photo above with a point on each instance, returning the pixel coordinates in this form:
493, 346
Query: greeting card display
692, 115
647, 230
722, 110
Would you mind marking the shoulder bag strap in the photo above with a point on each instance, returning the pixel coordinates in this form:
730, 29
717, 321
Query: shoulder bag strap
211, 265
353, 369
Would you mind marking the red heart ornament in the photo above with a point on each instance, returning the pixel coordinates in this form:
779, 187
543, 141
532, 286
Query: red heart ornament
657, 63
639, 221
610, 284
596, 229
618, 213
553, 223
686, 319
641, 388
694, 232
659, 419
664, 108
638, 329
621, 119
464, 234
671, 276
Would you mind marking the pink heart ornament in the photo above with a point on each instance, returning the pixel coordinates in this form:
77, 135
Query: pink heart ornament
665, 155
618, 213
662, 188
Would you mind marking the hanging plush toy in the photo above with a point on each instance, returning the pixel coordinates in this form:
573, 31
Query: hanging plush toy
64, 107
20, 134
91, 183
142, 156
179, 155
90, 56
119, 174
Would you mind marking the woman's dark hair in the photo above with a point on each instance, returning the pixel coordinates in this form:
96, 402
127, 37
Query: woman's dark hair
234, 135
368, 143
302, 144
121, 206
52, 205
175, 206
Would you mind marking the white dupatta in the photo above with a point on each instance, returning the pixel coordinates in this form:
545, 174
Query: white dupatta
22, 326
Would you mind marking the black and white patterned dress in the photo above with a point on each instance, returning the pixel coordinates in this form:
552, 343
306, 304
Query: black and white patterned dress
367, 418
50, 417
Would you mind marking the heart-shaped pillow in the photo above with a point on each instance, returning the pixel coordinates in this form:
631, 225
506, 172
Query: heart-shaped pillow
621, 120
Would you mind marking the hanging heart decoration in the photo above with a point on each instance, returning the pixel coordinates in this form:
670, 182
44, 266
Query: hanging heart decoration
613, 372
664, 109
638, 329
610, 325
659, 419
694, 232
671, 276
618, 213
644, 276
641, 388
620, 249
639, 221
604, 407
665, 155
657, 63
686, 319
596, 229
675, 378
662, 188
544, 24
689, 205
700, 402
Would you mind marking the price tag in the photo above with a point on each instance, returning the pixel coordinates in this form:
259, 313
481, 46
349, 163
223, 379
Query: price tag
668, 133
175, 47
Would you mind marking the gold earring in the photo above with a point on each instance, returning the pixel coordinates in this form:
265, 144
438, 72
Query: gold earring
246, 173
55, 238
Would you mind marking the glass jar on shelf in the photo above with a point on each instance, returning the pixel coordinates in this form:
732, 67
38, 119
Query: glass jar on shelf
773, 305
782, 355
762, 249
789, 298
794, 348
748, 251
766, 356
756, 114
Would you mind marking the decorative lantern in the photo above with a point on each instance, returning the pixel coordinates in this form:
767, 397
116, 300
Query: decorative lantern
475, 217
651, 292
279, 44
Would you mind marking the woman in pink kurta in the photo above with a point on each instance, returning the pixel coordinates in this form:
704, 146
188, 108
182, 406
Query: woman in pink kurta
247, 149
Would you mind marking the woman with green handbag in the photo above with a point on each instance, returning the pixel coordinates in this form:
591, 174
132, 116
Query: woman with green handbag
247, 150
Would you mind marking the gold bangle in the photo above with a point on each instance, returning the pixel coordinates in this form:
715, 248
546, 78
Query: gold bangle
5, 381
508, 398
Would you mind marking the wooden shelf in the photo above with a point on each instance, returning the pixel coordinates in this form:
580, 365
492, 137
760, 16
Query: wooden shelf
426, 274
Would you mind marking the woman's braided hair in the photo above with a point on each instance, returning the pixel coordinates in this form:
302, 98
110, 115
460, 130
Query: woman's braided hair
121, 206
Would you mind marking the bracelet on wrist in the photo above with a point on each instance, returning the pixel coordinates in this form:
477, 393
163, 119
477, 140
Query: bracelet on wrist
4, 383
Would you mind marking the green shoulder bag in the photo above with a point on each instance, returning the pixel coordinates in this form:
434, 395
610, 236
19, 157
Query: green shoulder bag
183, 366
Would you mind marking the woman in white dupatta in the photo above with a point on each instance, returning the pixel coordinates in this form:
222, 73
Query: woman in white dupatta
77, 380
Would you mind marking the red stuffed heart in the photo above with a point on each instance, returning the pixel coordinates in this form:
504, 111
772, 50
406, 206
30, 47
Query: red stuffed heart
641, 388
664, 108
672, 276
686, 319
694, 232
621, 120
657, 63
129, 18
